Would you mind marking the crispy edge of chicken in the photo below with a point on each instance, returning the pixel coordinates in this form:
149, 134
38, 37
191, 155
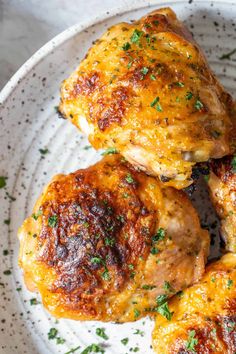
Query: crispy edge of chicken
204, 315
104, 242
146, 89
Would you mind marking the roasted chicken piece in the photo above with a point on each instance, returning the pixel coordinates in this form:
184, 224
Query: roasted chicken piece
222, 184
105, 241
203, 316
146, 89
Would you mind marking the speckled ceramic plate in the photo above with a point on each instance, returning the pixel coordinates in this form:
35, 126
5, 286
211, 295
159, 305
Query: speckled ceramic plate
29, 127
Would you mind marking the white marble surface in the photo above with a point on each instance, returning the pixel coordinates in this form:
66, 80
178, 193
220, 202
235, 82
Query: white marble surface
25, 25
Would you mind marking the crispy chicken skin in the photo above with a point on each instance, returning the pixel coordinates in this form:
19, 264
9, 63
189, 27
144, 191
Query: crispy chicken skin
204, 318
222, 184
102, 243
146, 89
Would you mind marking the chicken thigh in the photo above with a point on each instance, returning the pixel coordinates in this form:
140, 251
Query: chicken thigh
203, 316
104, 242
145, 89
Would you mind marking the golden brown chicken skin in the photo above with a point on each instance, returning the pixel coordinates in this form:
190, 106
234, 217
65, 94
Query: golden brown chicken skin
222, 184
146, 89
103, 242
204, 316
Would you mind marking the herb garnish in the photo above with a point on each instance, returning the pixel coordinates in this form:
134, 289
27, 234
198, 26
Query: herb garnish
233, 164
156, 103
93, 348
73, 350
126, 46
110, 151
192, 341
36, 215
164, 310
159, 236
124, 340
229, 283
161, 298
198, 105
34, 301
144, 70
136, 313
52, 333
129, 178
101, 333
148, 287
3, 181
189, 95
52, 221
43, 151
136, 36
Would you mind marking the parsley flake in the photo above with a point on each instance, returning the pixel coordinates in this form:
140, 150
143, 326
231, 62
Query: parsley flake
52, 221
129, 178
52, 333
124, 340
229, 283
3, 181
164, 310
110, 151
93, 348
101, 333
144, 70
126, 46
233, 164
198, 105
192, 341
136, 36
189, 95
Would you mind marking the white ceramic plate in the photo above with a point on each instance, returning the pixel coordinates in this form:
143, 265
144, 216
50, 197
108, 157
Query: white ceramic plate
28, 122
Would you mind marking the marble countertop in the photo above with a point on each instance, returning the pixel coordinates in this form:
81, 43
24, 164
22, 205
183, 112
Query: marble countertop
26, 25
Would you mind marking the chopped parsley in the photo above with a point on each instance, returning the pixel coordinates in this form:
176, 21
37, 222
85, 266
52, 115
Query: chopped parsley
36, 215
34, 301
153, 77
161, 298
52, 221
109, 241
97, 260
7, 272
198, 105
7, 221
126, 46
206, 178
159, 236
93, 348
164, 310
192, 341
3, 181
189, 95
233, 164
73, 350
52, 333
101, 333
129, 178
87, 147
124, 340
136, 313
148, 287
138, 331
110, 151
229, 283
179, 84
136, 36
156, 103
167, 287
154, 250
43, 151
228, 55
144, 70
5, 252
60, 340
105, 275
215, 134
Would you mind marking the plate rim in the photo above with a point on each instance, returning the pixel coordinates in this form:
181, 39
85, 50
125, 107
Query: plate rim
75, 29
